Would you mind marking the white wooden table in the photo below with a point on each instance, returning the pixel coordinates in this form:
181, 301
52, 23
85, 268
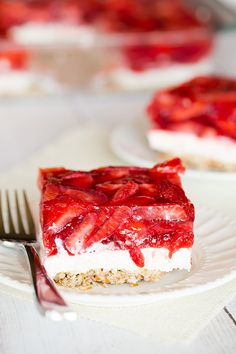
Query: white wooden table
25, 127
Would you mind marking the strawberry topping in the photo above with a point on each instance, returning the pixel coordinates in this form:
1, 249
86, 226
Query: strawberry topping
124, 208
117, 219
74, 241
204, 106
127, 190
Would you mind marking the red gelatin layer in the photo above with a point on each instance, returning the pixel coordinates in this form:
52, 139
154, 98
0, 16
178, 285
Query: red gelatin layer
205, 106
123, 208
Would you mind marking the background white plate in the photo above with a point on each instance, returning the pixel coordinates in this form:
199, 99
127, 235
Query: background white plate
214, 263
130, 144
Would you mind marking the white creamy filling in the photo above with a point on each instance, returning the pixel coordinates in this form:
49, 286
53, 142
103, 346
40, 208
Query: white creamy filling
219, 149
14, 82
155, 258
156, 77
33, 33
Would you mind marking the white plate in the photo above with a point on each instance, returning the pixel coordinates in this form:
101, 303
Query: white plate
130, 144
214, 264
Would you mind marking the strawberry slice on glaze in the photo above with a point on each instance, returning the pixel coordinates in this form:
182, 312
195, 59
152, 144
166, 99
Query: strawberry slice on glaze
58, 212
86, 196
116, 220
106, 174
74, 242
77, 179
110, 173
125, 192
109, 188
51, 191
169, 167
168, 212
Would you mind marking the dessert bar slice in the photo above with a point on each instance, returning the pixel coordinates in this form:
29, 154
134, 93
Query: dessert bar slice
196, 121
115, 224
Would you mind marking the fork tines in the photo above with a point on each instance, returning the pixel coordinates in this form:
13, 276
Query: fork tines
19, 233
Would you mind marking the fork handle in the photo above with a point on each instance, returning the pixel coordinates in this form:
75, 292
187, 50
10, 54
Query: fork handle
50, 302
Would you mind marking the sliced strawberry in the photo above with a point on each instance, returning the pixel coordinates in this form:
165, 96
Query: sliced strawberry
116, 220
110, 173
103, 214
109, 188
125, 192
86, 196
140, 178
171, 166
137, 256
58, 212
105, 174
77, 179
148, 189
51, 191
75, 241
168, 212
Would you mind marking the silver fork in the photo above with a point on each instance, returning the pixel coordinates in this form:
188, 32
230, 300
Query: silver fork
49, 301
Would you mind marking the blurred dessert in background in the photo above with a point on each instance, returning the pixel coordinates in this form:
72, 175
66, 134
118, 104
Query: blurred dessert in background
196, 121
16, 78
161, 42
110, 44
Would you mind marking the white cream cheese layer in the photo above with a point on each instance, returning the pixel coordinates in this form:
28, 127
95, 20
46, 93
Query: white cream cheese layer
155, 78
155, 258
219, 149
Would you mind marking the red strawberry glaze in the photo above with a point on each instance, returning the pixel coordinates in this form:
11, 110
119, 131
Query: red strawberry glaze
123, 208
205, 106
193, 47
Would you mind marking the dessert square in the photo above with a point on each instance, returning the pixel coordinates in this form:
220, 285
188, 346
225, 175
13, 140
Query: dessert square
196, 121
115, 225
